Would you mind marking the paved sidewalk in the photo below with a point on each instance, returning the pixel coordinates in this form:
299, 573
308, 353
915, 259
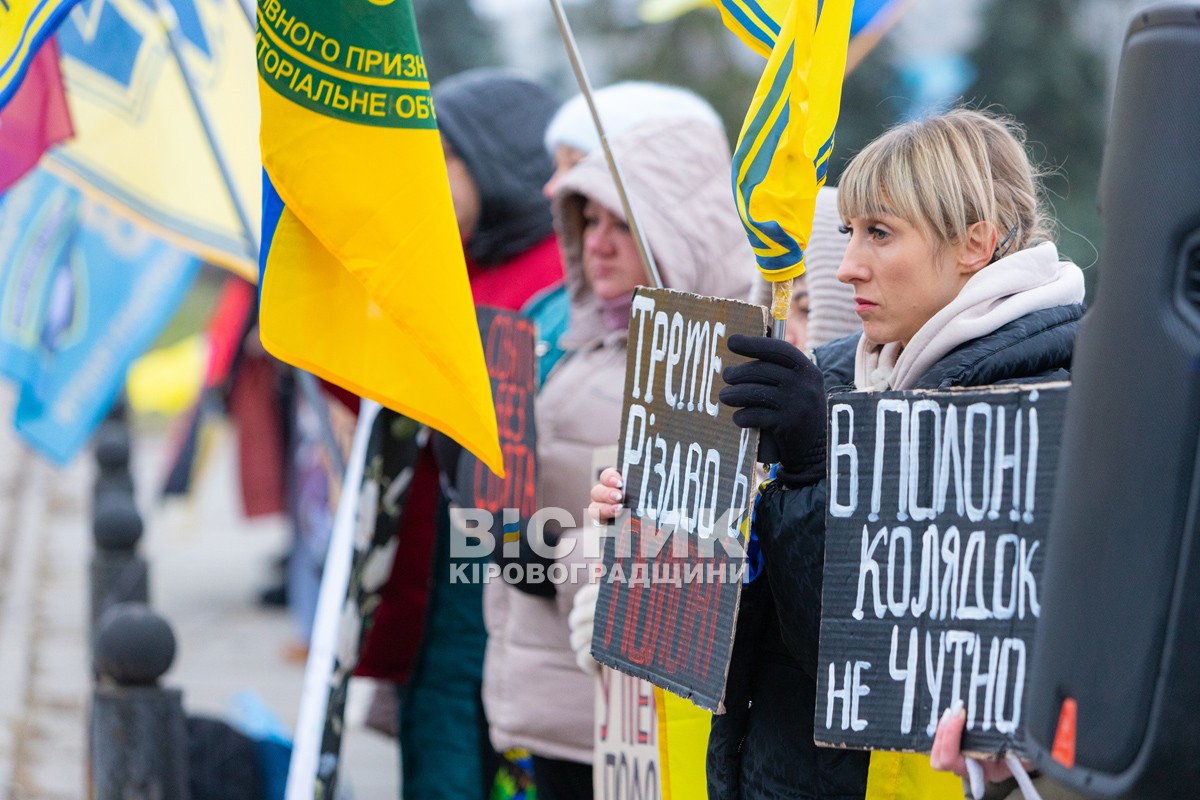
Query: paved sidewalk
207, 565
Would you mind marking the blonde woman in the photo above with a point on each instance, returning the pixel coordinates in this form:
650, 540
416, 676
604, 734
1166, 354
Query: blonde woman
957, 283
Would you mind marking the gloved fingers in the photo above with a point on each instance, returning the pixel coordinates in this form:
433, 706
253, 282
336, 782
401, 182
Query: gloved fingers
581, 615
583, 607
581, 624
581, 638
588, 593
757, 372
587, 663
759, 418
764, 348
750, 395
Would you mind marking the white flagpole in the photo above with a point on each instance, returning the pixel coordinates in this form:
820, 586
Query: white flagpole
318, 673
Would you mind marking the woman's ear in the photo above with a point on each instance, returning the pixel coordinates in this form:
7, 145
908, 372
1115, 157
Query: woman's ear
978, 248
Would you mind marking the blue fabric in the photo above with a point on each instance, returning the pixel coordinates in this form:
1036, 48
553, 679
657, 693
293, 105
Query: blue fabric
85, 293
865, 12
550, 311
754, 556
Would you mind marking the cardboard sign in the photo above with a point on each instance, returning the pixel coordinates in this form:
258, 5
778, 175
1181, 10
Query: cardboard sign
938, 508
626, 754
508, 348
673, 570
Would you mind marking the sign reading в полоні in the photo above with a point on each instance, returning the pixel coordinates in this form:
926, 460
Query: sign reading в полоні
938, 508
508, 348
674, 560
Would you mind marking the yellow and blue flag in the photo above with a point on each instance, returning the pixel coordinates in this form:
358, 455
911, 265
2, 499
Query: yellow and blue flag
139, 144
758, 22
363, 281
782, 153
24, 26
82, 294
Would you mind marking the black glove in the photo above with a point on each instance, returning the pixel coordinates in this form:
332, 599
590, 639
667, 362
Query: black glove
782, 393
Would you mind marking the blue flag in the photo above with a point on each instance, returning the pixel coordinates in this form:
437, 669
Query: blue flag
84, 294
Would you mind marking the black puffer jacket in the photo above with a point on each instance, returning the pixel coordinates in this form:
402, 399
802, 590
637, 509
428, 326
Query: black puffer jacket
762, 748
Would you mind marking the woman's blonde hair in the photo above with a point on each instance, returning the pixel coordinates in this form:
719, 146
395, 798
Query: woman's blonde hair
946, 173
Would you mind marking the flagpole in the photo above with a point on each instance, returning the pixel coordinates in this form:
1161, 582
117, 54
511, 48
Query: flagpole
307, 382
585, 86
781, 304
331, 599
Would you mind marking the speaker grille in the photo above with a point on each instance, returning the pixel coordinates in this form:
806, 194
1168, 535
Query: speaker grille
1191, 277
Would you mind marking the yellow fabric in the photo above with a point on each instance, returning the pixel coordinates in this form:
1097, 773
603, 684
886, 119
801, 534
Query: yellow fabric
365, 282
908, 776
756, 22
168, 380
139, 146
682, 746
785, 143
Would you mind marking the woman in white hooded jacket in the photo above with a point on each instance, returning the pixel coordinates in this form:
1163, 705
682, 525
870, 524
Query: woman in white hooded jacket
677, 175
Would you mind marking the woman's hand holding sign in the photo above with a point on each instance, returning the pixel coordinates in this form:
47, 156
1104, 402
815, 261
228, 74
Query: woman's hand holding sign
606, 497
947, 756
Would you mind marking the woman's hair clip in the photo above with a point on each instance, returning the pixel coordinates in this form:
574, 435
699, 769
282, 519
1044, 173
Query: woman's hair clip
1003, 245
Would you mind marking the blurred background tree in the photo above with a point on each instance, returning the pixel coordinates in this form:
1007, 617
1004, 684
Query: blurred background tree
1034, 61
693, 50
1047, 62
873, 99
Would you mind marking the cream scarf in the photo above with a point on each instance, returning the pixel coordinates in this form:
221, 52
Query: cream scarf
1027, 281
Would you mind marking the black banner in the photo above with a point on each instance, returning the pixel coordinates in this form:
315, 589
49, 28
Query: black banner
508, 348
938, 509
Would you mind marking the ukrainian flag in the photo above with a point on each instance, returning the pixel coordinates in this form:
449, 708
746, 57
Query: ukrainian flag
783, 150
362, 275
24, 25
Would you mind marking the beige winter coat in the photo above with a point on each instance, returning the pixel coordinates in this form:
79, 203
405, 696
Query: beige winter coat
678, 176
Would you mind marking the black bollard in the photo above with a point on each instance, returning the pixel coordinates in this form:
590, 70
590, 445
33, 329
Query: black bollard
112, 447
118, 573
139, 740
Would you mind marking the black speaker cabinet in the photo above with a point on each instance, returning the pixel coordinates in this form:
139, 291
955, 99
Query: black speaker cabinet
1113, 701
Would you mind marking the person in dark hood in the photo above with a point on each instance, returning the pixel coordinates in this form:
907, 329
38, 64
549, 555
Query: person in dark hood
492, 123
428, 635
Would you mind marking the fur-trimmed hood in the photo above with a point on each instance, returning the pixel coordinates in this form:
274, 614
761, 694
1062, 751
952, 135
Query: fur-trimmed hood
677, 175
